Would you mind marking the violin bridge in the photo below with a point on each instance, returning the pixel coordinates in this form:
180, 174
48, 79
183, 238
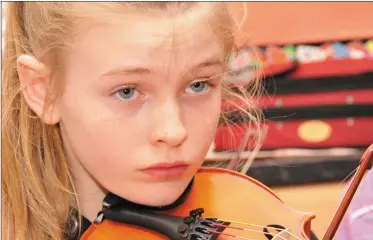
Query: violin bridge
283, 235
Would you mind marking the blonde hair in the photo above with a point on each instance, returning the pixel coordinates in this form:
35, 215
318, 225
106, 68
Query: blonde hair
37, 186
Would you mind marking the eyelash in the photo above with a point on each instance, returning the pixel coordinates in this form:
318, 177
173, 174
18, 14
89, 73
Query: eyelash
207, 81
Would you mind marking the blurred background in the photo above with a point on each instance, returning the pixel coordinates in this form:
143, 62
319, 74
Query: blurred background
315, 64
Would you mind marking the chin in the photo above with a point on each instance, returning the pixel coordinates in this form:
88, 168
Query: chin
164, 200
159, 194
166, 197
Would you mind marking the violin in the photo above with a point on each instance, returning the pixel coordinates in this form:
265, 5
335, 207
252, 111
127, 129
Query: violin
218, 204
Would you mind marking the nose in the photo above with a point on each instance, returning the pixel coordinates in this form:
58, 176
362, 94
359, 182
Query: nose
168, 127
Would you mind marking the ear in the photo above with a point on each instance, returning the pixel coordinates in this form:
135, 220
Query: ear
35, 80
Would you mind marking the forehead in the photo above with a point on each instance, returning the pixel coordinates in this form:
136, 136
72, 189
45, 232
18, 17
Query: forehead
182, 39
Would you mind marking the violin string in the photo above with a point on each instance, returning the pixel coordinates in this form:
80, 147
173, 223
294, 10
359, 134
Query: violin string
240, 237
254, 225
257, 225
248, 230
230, 235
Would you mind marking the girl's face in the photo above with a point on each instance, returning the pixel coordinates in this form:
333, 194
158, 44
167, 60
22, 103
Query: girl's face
140, 93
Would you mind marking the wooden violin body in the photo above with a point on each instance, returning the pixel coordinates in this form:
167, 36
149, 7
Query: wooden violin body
252, 210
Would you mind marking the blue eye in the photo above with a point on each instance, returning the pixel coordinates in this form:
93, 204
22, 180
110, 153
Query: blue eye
198, 87
126, 93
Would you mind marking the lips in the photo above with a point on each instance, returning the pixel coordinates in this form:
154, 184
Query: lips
166, 171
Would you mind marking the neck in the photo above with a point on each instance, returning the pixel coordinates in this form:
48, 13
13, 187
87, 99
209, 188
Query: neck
90, 196
89, 192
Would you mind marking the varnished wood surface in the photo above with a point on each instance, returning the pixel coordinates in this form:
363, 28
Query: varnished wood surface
321, 199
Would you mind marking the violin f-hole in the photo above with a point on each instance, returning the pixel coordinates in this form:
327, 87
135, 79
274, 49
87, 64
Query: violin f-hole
273, 236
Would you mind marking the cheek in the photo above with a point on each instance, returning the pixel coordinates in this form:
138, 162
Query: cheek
202, 120
97, 137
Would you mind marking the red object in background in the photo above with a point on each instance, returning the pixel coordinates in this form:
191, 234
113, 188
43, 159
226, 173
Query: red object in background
362, 96
312, 120
343, 132
331, 68
347, 97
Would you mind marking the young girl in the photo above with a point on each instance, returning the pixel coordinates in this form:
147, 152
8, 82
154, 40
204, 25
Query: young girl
106, 97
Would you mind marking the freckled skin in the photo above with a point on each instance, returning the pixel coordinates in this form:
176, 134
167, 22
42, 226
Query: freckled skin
111, 138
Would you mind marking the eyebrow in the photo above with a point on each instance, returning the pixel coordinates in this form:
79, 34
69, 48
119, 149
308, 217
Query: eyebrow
126, 71
141, 70
210, 63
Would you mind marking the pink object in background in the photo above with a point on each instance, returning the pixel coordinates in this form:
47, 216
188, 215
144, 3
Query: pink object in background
358, 221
